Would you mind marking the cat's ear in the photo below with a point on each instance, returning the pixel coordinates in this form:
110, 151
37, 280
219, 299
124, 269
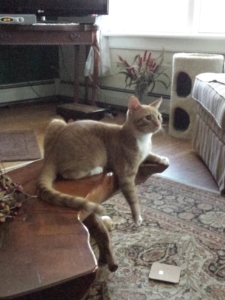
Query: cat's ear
157, 103
133, 104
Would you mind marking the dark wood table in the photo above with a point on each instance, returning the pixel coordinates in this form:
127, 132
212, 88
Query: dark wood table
45, 251
57, 34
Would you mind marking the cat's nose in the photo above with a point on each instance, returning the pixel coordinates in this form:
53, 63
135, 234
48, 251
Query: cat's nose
156, 123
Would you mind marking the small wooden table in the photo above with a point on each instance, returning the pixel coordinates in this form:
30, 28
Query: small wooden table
80, 112
45, 251
57, 34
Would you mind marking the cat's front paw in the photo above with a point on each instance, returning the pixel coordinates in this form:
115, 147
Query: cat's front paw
164, 160
138, 221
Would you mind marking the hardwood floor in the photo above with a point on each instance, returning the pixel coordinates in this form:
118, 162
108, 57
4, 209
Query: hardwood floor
185, 165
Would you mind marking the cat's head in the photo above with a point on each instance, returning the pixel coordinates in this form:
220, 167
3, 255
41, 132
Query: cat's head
144, 118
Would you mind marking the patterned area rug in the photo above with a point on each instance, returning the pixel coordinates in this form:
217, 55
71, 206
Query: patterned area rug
182, 226
19, 145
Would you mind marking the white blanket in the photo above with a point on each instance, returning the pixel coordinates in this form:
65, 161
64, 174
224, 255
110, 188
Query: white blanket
212, 77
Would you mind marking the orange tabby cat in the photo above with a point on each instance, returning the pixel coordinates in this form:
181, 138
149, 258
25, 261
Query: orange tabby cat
84, 148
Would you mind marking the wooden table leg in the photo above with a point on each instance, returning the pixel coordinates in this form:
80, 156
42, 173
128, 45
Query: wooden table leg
74, 289
76, 73
95, 71
86, 97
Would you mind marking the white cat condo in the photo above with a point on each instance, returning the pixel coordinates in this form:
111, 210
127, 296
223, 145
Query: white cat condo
182, 106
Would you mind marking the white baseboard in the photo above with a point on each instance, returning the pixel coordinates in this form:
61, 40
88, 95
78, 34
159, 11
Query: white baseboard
27, 91
112, 96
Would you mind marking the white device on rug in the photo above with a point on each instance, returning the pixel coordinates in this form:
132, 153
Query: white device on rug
164, 272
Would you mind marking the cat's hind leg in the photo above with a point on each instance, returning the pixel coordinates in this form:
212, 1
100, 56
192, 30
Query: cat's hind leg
73, 174
100, 233
68, 174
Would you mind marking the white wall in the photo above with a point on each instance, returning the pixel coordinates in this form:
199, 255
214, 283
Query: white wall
26, 91
127, 46
112, 87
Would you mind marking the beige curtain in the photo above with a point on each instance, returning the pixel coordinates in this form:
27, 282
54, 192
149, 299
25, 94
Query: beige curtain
105, 61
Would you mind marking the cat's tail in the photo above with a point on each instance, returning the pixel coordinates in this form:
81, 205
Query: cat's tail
46, 192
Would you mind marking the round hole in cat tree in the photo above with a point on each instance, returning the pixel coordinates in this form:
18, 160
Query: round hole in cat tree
184, 84
181, 119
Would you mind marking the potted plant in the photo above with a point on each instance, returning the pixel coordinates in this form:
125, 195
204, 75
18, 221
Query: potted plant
144, 73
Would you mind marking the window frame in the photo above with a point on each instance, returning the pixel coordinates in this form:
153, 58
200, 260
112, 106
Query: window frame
193, 24
172, 42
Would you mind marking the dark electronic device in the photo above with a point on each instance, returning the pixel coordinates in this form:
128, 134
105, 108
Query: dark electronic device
53, 8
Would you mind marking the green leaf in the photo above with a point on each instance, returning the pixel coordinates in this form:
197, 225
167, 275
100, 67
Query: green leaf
163, 83
153, 86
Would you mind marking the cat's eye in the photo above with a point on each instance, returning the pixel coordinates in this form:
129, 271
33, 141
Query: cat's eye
148, 117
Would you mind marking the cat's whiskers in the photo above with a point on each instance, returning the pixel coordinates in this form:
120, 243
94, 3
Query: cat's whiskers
162, 130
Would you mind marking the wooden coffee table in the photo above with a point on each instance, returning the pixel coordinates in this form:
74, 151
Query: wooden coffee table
45, 251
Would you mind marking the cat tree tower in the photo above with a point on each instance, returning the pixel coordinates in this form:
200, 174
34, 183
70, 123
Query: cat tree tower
182, 107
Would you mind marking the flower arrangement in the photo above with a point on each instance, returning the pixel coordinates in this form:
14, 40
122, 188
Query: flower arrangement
144, 72
11, 197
